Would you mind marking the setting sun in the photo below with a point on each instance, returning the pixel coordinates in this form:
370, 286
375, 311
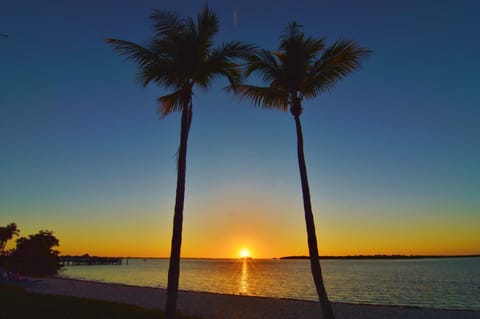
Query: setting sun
244, 253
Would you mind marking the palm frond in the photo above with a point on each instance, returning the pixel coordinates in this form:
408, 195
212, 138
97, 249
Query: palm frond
266, 65
230, 70
134, 52
166, 23
161, 47
264, 97
312, 47
207, 24
173, 102
222, 59
293, 30
337, 61
191, 26
232, 50
162, 72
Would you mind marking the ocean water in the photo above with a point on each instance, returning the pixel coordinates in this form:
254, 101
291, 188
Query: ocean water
446, 283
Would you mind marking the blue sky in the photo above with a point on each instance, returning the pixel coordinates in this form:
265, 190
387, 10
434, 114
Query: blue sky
394, 148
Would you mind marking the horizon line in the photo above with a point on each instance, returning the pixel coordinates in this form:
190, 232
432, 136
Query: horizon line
359, 256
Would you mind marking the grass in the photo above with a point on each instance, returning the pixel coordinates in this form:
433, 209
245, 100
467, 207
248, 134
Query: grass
16, 303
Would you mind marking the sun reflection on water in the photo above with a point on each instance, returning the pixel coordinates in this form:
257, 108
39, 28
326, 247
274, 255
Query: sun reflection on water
244, 276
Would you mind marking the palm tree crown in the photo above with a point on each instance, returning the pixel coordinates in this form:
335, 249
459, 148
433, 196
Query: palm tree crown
181, 54
301, 68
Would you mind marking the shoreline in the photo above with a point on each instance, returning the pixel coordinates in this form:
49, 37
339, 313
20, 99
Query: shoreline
209, 305
264, 297
380, 257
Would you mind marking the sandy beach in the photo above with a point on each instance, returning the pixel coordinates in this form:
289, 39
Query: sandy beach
219, 306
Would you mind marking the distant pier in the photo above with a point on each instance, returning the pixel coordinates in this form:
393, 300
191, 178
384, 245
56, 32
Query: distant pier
90, 260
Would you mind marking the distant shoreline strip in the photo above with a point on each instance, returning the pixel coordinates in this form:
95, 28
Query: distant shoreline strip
384, 257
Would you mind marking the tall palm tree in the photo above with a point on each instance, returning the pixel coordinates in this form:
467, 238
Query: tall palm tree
7, 233
180, 56
302, 68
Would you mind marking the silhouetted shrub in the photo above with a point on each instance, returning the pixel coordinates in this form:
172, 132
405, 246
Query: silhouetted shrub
35, 256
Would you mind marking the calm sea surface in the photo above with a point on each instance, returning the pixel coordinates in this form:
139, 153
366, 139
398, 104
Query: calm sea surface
451, 283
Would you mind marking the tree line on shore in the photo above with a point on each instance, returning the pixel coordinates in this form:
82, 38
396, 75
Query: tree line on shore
33, 255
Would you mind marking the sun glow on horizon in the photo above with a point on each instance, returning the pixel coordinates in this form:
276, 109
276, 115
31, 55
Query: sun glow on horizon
245, 253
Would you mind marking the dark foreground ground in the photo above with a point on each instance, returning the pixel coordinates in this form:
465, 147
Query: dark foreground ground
16, 303
132, 302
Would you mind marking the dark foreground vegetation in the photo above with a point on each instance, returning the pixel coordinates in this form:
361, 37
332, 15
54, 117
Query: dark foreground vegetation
20, 304
33, 255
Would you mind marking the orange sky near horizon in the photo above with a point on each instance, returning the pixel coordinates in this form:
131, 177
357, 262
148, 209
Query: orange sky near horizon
220, 220
267, 228
436, 242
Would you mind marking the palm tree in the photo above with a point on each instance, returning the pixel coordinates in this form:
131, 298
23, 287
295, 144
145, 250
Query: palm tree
7, 233
179, 57
302, 68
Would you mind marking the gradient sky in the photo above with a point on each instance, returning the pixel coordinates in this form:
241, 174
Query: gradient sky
393, 153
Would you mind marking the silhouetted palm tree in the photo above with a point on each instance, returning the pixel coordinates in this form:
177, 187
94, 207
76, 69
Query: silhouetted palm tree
7, 233
180, 56
301, 68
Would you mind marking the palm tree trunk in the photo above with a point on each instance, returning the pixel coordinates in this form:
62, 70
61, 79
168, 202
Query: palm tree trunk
310, 224
174, 266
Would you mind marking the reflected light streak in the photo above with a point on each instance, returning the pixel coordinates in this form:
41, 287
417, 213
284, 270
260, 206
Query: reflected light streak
244, 277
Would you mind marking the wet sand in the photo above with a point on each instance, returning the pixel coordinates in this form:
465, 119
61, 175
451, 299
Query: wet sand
219, 306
